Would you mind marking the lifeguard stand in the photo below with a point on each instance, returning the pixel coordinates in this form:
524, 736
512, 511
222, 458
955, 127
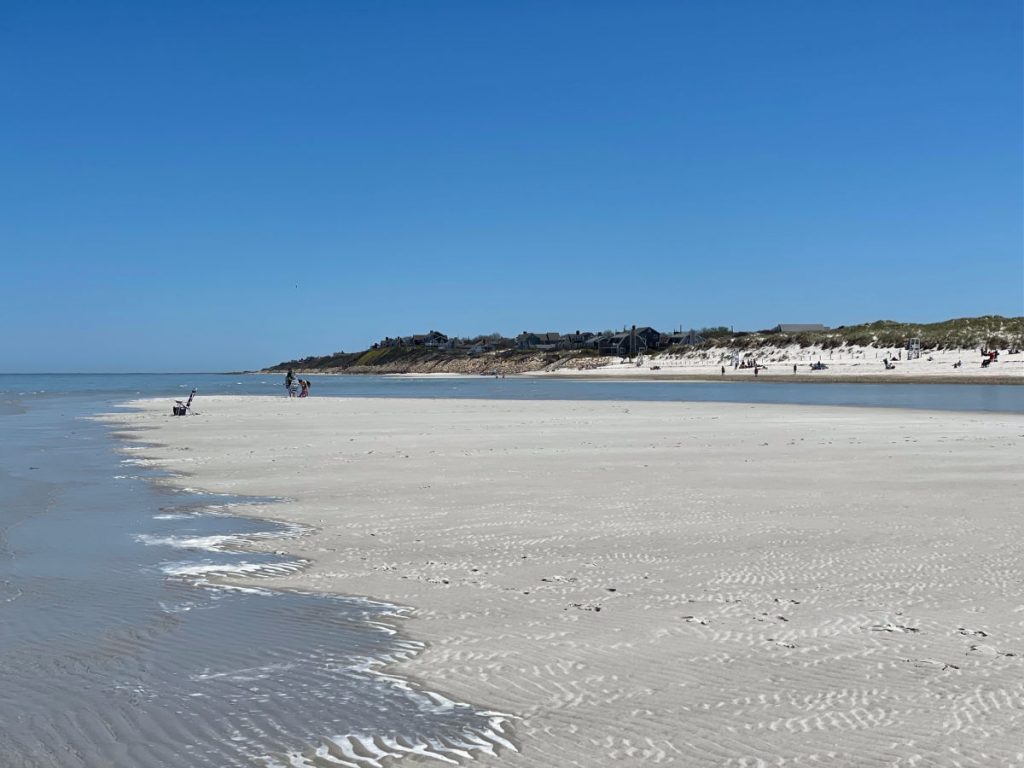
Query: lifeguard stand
913, 349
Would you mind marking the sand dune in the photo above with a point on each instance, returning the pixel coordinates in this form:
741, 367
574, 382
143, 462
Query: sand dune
661, 583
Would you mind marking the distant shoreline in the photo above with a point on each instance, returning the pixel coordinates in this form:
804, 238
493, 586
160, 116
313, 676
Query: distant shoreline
799, 378
791, 362
730, 378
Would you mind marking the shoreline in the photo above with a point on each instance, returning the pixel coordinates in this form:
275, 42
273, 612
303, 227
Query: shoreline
646, 375
855, 363
798, 378
654, 581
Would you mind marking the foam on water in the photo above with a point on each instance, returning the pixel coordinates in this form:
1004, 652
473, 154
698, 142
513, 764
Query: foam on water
208, 543
127, 642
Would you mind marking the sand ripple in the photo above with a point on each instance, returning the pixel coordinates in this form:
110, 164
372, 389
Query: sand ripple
693, 585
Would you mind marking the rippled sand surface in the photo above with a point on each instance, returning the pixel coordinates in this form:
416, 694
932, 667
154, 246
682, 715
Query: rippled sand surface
663, 583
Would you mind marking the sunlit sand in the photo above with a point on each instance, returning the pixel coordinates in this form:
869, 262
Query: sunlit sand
685, 583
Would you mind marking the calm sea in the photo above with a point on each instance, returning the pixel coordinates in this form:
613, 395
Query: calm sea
117, 650
95, 388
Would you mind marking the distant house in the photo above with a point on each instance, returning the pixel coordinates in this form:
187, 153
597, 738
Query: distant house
527, 340
798, 328
687, 338
433, 340
651, 337
576, 340
623, 345
627, 343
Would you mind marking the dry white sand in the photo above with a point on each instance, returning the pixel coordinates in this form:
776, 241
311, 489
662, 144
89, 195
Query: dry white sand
647, 583
847, 363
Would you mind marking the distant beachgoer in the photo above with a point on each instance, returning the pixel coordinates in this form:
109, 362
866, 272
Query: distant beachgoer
289, 383
723, 370
756, 369
304, 388
794, 367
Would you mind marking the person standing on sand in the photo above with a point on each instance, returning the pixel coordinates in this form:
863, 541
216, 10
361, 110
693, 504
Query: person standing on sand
794, 367
289, 380
723, 370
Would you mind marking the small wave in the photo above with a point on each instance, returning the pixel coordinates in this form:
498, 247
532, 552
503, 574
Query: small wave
198, 570
215, 543
167, 607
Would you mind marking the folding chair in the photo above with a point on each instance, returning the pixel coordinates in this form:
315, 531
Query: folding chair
182, 407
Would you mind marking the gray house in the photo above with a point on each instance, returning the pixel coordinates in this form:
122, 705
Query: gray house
527, 340
433, 339
689, 338
576, 340
652, 338
627, 343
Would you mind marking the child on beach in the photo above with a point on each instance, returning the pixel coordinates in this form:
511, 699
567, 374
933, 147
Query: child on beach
305, 388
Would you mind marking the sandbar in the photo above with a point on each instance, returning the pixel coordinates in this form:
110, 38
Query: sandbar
692, 584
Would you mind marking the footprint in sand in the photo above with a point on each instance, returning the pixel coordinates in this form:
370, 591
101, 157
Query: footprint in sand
973, 632
894, 628
981, 649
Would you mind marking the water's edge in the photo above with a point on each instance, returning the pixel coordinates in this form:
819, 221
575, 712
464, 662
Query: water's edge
499, 735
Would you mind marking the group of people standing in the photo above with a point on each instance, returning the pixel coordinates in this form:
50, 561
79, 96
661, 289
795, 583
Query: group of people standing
296, 387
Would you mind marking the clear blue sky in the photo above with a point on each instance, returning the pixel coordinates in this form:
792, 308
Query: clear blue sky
224, 185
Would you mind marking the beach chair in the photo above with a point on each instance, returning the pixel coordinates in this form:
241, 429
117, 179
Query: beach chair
183, 407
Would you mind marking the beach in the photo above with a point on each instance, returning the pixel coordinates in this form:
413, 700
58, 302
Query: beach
696, 584
793, 363
847, 363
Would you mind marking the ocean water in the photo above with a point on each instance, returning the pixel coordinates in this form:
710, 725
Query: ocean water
118, 648
17, 389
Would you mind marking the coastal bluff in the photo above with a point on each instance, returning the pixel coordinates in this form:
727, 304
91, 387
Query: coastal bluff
953, 350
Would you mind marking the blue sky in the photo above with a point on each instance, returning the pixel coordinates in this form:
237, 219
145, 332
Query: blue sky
224, 185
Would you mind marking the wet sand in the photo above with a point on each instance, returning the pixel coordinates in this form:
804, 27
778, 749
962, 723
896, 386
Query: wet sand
693, 584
